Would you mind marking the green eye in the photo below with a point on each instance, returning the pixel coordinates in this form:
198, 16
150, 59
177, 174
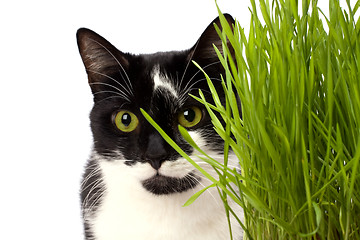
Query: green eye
190, 117
126, 121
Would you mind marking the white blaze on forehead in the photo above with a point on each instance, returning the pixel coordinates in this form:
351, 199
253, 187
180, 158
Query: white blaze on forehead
161, 81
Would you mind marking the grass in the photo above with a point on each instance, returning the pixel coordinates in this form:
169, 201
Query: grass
298, 141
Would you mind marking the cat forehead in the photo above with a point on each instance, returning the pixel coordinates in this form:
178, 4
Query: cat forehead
162, 82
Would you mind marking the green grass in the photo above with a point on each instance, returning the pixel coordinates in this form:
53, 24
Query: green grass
298, 142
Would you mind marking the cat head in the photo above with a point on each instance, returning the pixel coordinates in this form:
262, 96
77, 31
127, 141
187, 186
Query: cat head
159, 83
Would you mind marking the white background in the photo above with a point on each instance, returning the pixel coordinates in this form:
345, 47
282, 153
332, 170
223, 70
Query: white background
45, 100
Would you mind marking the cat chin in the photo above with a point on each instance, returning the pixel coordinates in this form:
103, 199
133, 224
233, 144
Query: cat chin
162, 185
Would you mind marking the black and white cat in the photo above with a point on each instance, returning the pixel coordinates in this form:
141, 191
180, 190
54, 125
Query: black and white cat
135, 184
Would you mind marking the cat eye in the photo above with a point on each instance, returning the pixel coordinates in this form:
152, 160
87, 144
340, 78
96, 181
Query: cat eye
126, 121
190, 117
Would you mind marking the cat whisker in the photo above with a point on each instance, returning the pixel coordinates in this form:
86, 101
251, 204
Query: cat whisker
188, 63
90, 203
103, 92
94, 199
109, 98
120, 92
204, 90
207, 190
218, 159
116, 81
187, 89
110, 154
96, 186
112, 55
93, 173
209, 65
128, 84
178, 83
201, 163
190, 179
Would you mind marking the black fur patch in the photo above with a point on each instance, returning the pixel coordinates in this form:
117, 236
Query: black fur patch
160, 185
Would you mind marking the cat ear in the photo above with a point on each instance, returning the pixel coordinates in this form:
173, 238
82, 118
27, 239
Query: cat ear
204, 49
100, 57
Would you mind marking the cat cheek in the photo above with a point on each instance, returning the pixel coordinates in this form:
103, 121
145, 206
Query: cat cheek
142, 171
177, 169
198, 138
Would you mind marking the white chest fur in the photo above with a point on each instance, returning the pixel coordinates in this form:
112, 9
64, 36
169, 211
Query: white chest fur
128, 211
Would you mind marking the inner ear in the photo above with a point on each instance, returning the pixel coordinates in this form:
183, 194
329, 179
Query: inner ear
99, 56
204, 50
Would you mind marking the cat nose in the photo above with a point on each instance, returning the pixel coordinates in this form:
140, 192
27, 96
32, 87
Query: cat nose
155, 153
155, 163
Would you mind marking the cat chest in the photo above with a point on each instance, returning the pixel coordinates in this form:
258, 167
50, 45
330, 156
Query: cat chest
156, 218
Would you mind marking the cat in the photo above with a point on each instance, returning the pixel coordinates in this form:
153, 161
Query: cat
135, 184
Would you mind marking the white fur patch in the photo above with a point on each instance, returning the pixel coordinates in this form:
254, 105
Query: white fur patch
129, 211
161, 81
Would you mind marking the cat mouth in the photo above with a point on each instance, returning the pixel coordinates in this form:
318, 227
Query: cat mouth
161, 185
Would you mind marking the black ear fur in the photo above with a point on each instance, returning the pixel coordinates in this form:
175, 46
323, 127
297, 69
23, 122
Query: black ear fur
99, 56
204, 50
